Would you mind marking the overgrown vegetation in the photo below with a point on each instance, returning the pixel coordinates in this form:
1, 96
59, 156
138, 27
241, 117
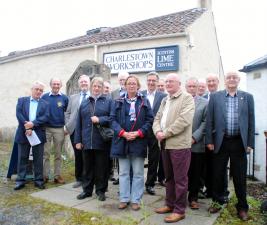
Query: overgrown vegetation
229, 213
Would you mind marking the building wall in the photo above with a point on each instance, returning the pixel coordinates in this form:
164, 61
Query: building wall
17, 76
203, 53
257, 87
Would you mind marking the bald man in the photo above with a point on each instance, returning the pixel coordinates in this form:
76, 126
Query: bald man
231, 114
173, 129
58, 103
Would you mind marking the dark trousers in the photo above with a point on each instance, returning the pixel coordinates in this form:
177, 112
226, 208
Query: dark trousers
194, 174
176, 163
23, 160
153, 161
161, 175
231, 148
78, 160
95, 170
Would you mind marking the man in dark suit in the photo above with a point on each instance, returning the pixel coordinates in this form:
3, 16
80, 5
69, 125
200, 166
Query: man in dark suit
71, 115
212, 82
155, 97
198, 146
32, 114
230, 134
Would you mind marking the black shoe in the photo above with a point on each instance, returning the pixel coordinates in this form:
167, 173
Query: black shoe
150, 190
84, 195
162, 183
19, 186
116, 182
101, 197
39, 185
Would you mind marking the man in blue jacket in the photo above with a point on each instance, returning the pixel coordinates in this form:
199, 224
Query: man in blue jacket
58, 103
32, 113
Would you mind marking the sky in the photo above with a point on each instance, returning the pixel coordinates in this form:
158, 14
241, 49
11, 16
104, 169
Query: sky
240, 24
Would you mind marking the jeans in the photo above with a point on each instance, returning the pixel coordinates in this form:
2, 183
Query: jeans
131, 192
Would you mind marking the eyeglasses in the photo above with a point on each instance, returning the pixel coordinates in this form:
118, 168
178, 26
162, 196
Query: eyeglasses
131, 84
152, 81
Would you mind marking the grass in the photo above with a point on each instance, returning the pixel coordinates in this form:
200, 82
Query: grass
11, 202
229, 213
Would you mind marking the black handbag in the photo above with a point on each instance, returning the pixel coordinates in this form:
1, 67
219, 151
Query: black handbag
106, 132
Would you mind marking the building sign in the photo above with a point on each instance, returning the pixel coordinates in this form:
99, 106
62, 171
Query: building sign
144, 60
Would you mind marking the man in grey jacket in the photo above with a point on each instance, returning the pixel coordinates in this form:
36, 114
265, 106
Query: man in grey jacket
198, 146
70, 123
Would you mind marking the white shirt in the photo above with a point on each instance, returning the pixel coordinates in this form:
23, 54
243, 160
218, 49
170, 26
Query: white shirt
151, 97
165, 113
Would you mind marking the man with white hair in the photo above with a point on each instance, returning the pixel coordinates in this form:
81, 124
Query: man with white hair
32, 113
71, 115
212, 81
173, 128
231, 114
121, 90
202, 87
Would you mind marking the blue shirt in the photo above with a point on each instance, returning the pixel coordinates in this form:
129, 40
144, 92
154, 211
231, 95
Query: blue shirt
33, 109
232, 123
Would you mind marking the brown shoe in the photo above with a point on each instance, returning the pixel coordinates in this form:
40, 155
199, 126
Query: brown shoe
135, 206
174, 217
213, 209
122, 205
243, 215
59, 180
164, 209
194, 205
46, 179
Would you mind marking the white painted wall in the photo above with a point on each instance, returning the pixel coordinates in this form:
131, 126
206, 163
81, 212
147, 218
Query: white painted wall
204, 54
258, 88
17, 76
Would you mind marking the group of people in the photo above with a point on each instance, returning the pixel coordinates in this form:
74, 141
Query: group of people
188, 136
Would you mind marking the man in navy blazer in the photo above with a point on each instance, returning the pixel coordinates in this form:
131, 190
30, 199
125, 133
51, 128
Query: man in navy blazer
32, 113
230, 134
154, 97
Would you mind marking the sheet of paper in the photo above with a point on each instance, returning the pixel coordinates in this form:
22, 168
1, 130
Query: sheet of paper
33, 139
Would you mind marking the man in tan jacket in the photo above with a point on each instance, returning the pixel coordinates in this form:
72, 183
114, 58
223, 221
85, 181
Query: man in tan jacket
173, 129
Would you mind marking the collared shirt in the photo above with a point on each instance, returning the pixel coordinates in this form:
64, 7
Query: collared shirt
165, 113
87, 94
232, 123
151, 97
122, 92
51, 93
33, 109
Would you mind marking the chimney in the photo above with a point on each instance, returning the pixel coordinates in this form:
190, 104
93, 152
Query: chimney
205, 4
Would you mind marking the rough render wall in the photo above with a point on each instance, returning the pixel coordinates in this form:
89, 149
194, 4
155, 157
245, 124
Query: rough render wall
17, 76
204, 55
257, 87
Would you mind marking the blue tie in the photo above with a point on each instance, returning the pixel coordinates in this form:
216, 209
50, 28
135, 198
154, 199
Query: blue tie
84, 97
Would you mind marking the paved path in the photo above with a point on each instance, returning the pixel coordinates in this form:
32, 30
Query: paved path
66, 195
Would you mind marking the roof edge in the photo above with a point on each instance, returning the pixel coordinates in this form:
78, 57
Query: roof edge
92, 45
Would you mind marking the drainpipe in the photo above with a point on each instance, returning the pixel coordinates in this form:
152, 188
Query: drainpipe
265, 133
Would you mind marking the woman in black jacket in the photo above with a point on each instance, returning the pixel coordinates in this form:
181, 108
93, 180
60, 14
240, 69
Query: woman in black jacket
93, 111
